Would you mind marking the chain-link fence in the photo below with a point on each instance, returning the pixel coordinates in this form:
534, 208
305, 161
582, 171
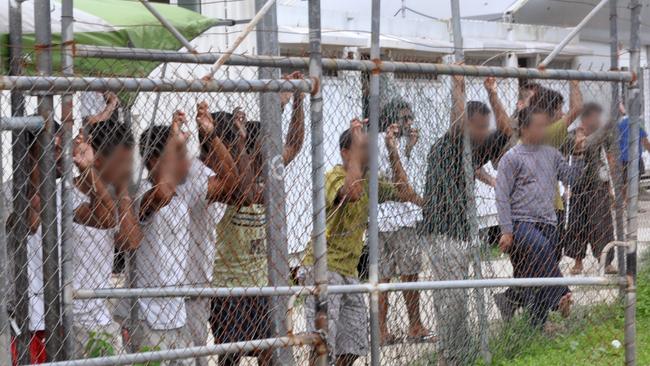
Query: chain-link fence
348, 211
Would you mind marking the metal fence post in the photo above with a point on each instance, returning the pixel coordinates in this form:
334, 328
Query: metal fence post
373, 189
5, 328
471, 213
616, 171
67, 64
318, 180
19, 230
634, 124
48, 190
276, 231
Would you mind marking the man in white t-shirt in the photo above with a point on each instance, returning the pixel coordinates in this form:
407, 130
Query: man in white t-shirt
165, 204
33, 241
400, 245
101, 222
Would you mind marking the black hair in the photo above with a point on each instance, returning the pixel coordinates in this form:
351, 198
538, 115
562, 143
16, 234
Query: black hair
153, 141
224, 128
525, 116
106, 136
547, 100
345, 140
528, 86
591, 108
253, 133
474, 107
390, 112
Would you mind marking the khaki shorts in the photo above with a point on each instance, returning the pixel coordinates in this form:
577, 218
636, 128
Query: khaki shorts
347, 316
400, 253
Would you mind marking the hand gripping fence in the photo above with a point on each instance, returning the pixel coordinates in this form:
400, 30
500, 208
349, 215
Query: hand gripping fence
304, 210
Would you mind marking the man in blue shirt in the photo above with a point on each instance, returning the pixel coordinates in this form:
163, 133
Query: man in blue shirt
623, 141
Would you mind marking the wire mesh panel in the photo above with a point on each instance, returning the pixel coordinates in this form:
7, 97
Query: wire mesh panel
480, 178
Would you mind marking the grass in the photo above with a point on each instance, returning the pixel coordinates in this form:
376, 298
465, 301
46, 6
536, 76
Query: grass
585, 338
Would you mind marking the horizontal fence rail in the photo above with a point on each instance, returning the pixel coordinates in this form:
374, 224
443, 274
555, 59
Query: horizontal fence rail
350, 65
183, 353
346, 289
68, 84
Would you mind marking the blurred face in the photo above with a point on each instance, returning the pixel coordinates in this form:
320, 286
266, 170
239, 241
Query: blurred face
405, 120
116, 168
592, 122
346, 154
478, 127
535, 133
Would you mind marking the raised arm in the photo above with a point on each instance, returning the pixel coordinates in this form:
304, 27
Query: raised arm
222, 187
405, 192
100, 211
575, 103
164, 182
500, 115
458, 103
296, 133
112, 102
129, 235
352, 189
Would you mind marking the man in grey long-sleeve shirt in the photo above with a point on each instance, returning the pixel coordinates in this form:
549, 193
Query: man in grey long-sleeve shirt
525, 191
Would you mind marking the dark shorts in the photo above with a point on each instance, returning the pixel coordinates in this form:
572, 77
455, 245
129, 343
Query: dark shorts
236, 319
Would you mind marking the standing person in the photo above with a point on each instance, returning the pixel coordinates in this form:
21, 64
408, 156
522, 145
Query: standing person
590, 218
556, 132
213, 168
399, 242
241, 257
104, 160
445, 220
526, 181
164, 203
624, 145
33, 241
346, 205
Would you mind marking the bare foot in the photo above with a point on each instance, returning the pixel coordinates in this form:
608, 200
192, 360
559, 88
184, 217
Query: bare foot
610, 269
577, 268
564, 306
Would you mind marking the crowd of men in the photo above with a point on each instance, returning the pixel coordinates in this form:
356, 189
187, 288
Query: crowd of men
201, 221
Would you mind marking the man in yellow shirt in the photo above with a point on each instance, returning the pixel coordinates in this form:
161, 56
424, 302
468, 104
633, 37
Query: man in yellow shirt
346, 204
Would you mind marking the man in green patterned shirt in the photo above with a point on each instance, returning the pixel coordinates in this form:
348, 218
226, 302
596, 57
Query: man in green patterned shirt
346, 204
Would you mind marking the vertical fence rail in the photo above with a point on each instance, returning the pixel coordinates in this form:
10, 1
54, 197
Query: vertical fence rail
373, 189
468, 169
5, 329
19, 229
635, 110
67, 38
318, 182
48, 190
616, 171
274, 194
